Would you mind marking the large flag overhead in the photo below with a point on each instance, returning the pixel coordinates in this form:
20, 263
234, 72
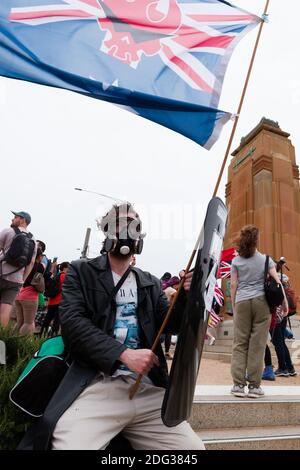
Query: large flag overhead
164, 60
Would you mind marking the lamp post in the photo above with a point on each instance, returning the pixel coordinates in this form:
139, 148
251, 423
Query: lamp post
100, 194
86, 243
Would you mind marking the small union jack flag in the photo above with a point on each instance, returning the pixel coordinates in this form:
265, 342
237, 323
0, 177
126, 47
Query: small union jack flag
225, 262
224, 270
219, 296
214, 319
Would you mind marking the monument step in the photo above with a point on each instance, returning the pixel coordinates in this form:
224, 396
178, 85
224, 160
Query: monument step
226, 357
222, 357
225, 330
225, 347
252, 438
218, 348
227, 411
228, 342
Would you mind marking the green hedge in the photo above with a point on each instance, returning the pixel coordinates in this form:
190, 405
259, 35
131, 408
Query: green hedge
19, 350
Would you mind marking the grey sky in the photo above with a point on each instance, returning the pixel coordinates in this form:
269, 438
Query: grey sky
54, 140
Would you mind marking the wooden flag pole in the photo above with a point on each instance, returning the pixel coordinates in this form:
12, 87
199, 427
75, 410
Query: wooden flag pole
242, 100
136, 385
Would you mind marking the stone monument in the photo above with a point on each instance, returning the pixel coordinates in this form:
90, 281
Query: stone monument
263, 189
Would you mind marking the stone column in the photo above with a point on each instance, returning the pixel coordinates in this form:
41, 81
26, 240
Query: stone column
263, 189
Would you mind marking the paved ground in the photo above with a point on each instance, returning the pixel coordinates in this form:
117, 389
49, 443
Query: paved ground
214, 372
218, 373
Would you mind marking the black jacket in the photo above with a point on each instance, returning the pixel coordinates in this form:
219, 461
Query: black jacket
87, 317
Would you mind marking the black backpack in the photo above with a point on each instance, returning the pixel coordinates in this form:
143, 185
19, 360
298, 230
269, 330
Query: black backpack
21, 250
52, 286
273, 290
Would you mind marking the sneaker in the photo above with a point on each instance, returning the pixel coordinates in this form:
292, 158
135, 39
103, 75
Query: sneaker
282, 373
238, 391
255, 392
268, 373
212, 341
288, 334
292, 372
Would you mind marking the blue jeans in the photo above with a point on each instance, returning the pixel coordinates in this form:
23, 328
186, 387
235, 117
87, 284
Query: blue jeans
282, 352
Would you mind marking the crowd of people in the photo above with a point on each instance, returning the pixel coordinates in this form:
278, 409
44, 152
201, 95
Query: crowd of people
108, 312
26, 278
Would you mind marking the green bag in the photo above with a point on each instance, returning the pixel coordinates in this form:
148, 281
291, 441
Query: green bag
40, 378
41, 300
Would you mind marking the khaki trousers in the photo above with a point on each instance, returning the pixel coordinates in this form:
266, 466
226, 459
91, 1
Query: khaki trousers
251, 323
103, 410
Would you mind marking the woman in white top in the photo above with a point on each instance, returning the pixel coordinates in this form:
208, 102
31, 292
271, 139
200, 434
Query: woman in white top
251, 317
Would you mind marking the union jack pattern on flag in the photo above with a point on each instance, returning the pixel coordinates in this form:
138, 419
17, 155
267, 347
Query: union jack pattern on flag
162, 59
225, 262
214, 319
219, 296
224, 270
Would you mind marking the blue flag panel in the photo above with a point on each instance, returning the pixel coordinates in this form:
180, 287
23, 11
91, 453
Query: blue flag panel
164, 60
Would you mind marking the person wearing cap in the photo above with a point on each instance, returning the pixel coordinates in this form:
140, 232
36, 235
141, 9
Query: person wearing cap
11, 280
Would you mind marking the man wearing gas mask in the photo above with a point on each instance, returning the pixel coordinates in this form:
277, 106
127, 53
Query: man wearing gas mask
110, 314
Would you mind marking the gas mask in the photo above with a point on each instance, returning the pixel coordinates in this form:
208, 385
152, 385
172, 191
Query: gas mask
125, 238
